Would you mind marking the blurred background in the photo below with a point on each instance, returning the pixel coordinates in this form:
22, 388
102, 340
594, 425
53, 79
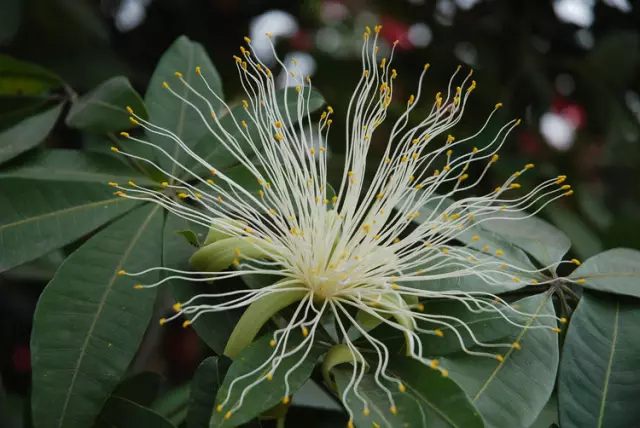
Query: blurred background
569, 68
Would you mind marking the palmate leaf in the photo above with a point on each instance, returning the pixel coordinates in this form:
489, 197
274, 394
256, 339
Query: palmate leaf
169, 112
268, 393
37, 217
104, 108
513, 392
73, 165
27, 133
89, 321
614, 271
429, 400
599, 383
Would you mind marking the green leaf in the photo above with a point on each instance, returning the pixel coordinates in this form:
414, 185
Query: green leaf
123, 413
141, 388
599, 382
72, 165
548, 417
536, 237
512, 393
173, 404
614, 271
429, 400
89, 321
167, 111
38, 216
204, 387
25, 79
585, 242
215, 153
27, 133
104, 108
215, 327
267, 393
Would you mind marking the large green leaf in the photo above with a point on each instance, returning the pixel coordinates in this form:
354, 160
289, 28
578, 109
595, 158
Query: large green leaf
206, 381
89, 321
169, 112
512, 393
123, 413
214, 328
615, 271
104, 108
429, 400
27, 133
599, 382
215, 153
73, 165
268, 393
141, 388
25, 79
173, 404
37, 217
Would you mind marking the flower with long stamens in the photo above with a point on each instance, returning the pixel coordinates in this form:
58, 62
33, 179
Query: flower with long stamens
358, 250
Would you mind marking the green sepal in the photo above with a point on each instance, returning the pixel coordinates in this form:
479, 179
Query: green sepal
221, 254
256, 315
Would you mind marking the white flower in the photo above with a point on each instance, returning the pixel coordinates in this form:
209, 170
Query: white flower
362, 249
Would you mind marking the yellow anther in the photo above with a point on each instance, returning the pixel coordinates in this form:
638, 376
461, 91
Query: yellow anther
198, 70
186, 323
560, 179
518, 122
134, 121
516, 346
112, 184
247, 39
434, 364
165, 184
463, 177
183, 195
411, 99
269, 376
131, 183
278, 136
498, 105
556, 330
138, 286
444, 372
114, 149
495, 158
122, 272
129, 109
515, 186
569, 193
474, 150
165, 85
350, 424
219, 408
475, 238
162, 321
438, 332
565, 187
576, 262
272, 343
124, 134
393, 410
401, 387
178, 74
499, 253
529, 166
516, 279
228, 415
366, 411
581, 281
285, 399
177, 306
485, 248
305, 331
562, 320
499, 357
449, 153
420, 307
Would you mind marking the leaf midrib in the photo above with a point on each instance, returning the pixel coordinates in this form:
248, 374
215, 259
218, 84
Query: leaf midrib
101, 304
605, 388
183, 109
59, 212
